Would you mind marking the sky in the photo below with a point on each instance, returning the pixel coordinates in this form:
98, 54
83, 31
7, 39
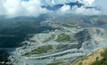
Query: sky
102, 4
14, 8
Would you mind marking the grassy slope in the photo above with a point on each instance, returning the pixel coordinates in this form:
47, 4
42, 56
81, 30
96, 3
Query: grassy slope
40, 50
103, 61
96, 58
63, 37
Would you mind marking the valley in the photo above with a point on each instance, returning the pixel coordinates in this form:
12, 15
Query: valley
67, 43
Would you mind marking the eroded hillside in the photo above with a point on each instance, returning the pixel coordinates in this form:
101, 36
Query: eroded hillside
71, 39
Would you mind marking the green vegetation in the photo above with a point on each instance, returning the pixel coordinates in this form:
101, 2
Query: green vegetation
80, 63
42, 49
15, 30
4, 57
104, 54
55, 63
63, 37
103, 61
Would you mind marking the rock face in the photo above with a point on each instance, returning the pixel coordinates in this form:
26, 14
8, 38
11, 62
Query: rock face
82, 36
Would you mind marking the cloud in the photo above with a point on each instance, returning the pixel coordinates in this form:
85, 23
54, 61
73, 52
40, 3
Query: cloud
21, 8
14, 8
1, 7
84, 11
102, 4
64, 9
87, 2
33, 7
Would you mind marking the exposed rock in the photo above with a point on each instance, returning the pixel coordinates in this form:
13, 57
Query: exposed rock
82, 36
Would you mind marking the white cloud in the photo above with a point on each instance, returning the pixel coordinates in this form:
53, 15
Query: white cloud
84, 11
102, 4
87, 2
64, 9
33, 7
11, 7
21, 8
1, 7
